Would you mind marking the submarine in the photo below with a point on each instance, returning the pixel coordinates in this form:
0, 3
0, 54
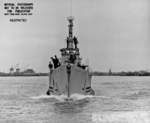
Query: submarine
67, 74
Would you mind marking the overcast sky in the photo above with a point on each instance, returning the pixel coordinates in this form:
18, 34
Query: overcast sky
112, 34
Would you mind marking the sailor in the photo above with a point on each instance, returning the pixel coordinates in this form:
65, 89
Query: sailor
72, 58
75, 42
81, 66
57, 61
50, 65
67, 42
54, 62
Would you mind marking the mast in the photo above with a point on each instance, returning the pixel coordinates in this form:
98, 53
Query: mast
70, 20
70, 33
71, 40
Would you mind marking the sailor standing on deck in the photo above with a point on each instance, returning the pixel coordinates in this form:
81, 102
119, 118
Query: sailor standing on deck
50, 65
55, 61
75, 42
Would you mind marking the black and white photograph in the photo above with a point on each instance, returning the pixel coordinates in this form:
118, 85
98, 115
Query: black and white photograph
75, 61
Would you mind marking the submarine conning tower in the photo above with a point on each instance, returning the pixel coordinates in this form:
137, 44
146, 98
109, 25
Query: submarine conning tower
72, 41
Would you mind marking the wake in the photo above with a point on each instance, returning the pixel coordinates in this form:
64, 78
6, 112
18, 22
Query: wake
64, 98
59, 98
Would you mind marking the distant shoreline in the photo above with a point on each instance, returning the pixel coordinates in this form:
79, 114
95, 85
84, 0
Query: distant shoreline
20, 74
136, 73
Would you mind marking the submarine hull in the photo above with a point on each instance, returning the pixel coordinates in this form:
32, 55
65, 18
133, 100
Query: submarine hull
69, 79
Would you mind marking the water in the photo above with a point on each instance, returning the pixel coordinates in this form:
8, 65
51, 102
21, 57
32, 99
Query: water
117, 100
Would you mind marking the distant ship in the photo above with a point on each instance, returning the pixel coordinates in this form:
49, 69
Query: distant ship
67, 74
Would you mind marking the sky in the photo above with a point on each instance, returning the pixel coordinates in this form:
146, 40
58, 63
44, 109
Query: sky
112, 34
